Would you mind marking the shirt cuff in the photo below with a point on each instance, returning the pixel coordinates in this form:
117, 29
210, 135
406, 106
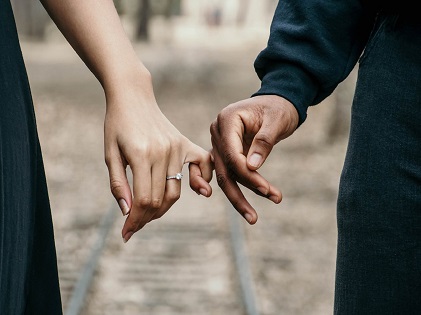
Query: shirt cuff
290, 82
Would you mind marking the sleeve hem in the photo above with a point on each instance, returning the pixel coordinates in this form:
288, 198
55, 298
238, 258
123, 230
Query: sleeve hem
290, 82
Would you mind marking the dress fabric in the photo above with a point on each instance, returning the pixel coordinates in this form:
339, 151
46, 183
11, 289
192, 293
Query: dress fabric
28, 266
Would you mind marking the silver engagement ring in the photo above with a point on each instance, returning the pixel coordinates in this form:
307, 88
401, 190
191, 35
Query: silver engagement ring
177, 176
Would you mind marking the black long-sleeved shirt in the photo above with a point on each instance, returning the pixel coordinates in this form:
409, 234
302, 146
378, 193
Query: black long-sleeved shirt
313, 46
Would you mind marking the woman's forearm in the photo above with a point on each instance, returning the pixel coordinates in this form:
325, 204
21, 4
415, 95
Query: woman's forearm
136, 132
94, 30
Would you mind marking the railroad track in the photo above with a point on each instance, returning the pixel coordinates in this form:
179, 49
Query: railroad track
189, 262
195, 260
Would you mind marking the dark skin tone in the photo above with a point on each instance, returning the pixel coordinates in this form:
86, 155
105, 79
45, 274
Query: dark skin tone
243, 136
137, 134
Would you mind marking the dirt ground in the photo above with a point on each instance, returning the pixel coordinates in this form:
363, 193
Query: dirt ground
292, 247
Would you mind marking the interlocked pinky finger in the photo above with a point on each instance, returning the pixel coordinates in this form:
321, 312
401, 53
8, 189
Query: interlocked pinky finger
197, 182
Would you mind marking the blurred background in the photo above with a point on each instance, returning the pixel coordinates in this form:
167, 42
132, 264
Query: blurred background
200, 54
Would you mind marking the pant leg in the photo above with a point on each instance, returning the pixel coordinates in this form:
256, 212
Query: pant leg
379, 203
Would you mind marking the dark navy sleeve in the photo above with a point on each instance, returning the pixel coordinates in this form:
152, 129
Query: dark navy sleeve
313, 46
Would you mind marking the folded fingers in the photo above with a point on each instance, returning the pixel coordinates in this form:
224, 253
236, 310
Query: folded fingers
154, 194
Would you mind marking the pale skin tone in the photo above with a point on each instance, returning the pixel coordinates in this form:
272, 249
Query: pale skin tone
136, 133
243, 136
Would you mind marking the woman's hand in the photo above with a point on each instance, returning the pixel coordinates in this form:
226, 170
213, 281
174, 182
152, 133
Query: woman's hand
137, 134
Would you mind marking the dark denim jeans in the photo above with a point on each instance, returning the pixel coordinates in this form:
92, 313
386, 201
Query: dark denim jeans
379, 204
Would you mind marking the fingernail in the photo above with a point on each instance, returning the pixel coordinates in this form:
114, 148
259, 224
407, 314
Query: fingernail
274, 198
248, 217
263, 190
123, 206
255, 160
203, 192
127, 237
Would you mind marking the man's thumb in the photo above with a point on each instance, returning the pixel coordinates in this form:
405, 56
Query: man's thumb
260, 148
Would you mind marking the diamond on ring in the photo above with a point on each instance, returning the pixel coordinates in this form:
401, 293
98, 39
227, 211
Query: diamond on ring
177, 176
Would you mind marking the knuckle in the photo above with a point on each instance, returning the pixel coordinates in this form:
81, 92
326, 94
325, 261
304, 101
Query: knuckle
174, 148
140, 150
137, 152
174, 142
225, 112
259, 112
156, 150
230, 161
163, 145
156, 203
214, 128
264, 139
174, 196
222, 116
142, 202
202, 160
116, 186
222, 180
148, 149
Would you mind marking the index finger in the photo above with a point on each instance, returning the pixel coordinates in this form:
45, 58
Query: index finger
142, 197
232, 191
227, 138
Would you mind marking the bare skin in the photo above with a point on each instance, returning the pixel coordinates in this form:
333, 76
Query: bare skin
136, 133
243, 136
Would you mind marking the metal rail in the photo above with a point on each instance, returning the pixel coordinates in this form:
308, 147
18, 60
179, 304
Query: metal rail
242, 263
77, 299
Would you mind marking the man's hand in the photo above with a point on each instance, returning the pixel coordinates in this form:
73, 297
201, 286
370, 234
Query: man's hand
243, 135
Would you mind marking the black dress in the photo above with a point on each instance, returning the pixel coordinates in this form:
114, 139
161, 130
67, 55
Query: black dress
28, 266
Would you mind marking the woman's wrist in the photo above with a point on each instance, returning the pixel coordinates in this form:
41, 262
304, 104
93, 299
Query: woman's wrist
135, 78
